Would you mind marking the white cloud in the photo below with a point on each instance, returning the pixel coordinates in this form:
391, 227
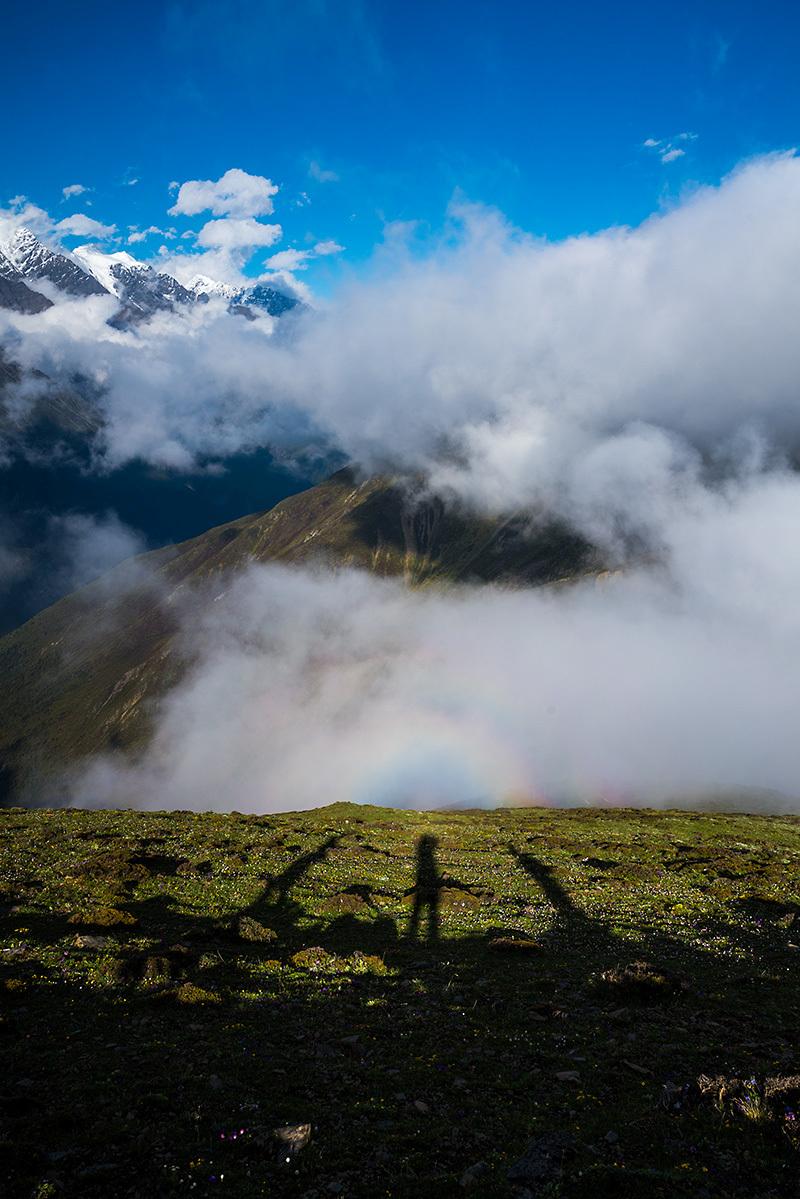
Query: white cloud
230, 233
298, 260
321, 175
234, 194
139, 235
643, 689
288, 260
640, 383
323, 248
74, 189
667, 150
582, 375
64, 553
81, 225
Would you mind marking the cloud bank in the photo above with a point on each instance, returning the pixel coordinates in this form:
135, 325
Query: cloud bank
654, 687
604, 376
640, 383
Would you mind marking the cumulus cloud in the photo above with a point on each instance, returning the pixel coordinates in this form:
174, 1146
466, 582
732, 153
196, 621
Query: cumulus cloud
74, 189
298, 260
323, 248
81, 225
22, 213
234, 194
231, 233
289, 260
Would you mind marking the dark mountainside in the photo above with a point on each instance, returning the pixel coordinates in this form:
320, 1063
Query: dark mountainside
50, 471
83, 675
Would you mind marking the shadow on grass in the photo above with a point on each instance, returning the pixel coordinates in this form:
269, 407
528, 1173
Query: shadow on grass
439, 1054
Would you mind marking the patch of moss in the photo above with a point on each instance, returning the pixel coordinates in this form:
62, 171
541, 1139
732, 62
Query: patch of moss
190, 995
249, 929
103, 917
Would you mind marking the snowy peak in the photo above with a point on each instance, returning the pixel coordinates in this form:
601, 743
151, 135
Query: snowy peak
100, 265
35, 261
141, 291
242, 300
14, 291
269, 299
201, 286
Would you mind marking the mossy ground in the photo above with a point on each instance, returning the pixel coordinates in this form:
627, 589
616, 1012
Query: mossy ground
389, 1011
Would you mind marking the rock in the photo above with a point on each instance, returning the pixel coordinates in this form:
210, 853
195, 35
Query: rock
473, 1175
249, 929
514, 945
103, 917
641, 982
543, 1159
345, 904
568, 1075
85, 941
188, 993
291, 1139
611, 1137
636, 1069
457, 899
313, 958
367, 963
421, 1106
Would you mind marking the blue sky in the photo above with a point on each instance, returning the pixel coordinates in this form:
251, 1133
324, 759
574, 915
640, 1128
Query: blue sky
368, 112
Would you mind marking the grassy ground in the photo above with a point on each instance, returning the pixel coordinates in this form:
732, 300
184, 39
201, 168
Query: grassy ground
516, 1003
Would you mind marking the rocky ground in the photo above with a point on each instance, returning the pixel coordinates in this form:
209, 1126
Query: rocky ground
362, 1002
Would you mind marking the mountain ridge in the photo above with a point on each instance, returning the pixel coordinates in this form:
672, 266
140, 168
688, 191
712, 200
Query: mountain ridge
86, 675
141, 290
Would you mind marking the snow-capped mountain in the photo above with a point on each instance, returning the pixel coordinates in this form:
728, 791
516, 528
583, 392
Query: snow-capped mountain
201, 286
14, 291
269, 298
260, 295
35, 261
140, 290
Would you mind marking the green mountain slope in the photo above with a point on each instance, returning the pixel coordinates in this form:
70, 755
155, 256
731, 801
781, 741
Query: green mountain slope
86, 674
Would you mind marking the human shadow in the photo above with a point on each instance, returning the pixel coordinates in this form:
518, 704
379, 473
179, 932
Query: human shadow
460, 1032
427, 889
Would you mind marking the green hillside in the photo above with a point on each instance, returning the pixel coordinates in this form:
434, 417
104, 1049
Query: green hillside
569, 1005
84, 675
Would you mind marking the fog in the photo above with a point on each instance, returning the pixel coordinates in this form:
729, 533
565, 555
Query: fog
641, 383
654, 685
